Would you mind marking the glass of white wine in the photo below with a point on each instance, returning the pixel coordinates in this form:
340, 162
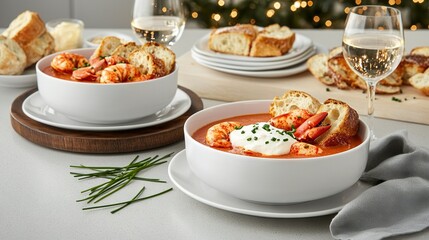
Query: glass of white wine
373, 45
161, 21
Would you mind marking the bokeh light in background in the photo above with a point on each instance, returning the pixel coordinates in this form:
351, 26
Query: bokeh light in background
296, 13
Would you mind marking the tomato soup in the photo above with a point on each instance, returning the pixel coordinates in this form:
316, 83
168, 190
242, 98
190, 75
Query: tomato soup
200, 135
62, 75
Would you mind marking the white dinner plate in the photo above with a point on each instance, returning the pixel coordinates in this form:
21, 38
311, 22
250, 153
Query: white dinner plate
250, 67
262, 74
181, 176
279, 63
35, 108
26, 79
301, 44
283, 72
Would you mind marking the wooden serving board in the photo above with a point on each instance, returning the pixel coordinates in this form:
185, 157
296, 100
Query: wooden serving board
100, 142
212, 84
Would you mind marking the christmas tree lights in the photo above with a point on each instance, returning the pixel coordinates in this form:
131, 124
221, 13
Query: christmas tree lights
296, 13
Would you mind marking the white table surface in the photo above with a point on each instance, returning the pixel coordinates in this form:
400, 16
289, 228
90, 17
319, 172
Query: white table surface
38, 195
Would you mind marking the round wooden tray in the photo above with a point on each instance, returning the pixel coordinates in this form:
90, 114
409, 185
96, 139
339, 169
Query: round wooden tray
100, 142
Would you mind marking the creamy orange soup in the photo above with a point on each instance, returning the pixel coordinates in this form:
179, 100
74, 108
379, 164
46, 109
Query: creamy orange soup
66, 76
200, 134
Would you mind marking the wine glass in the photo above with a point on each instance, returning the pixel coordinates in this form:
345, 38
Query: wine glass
161, 21
373, 45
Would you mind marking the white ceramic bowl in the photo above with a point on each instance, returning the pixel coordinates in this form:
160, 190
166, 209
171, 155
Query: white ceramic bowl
268, 180
104, 103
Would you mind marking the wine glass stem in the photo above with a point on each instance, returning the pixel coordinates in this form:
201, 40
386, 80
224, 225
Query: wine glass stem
371, 98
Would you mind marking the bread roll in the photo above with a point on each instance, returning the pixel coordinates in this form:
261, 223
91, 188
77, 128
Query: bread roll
25, 28
272, 41
12, 57
235, 40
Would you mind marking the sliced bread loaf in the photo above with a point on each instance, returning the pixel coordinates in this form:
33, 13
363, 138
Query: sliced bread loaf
38, 48
318, 66
12, 57
421, 82
233, 40
26, 27
272, 41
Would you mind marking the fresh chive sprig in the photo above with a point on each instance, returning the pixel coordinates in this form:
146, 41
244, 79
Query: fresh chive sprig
118, 178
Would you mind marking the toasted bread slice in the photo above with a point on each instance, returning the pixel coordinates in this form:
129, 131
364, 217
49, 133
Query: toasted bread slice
39, 47
339, 71
386, 89
335, 51
414, 64
395, 78
26, 27
343, 76
124, 50
235, 40
107, 46
293, 100
344, 122
421, 82
147, 64
272, 41
318, 66
163, 53
424, 51
12, 57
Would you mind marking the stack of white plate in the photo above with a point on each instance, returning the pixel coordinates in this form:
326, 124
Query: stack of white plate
291, 63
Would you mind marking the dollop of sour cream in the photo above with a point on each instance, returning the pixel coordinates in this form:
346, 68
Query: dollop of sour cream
262, 138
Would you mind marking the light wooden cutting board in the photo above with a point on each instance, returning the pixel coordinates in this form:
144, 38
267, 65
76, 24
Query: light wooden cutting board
212, 84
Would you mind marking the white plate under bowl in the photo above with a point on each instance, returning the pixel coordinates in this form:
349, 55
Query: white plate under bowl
283, 72
35, 108
301, 44
261, 67
26, 79
183, 178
